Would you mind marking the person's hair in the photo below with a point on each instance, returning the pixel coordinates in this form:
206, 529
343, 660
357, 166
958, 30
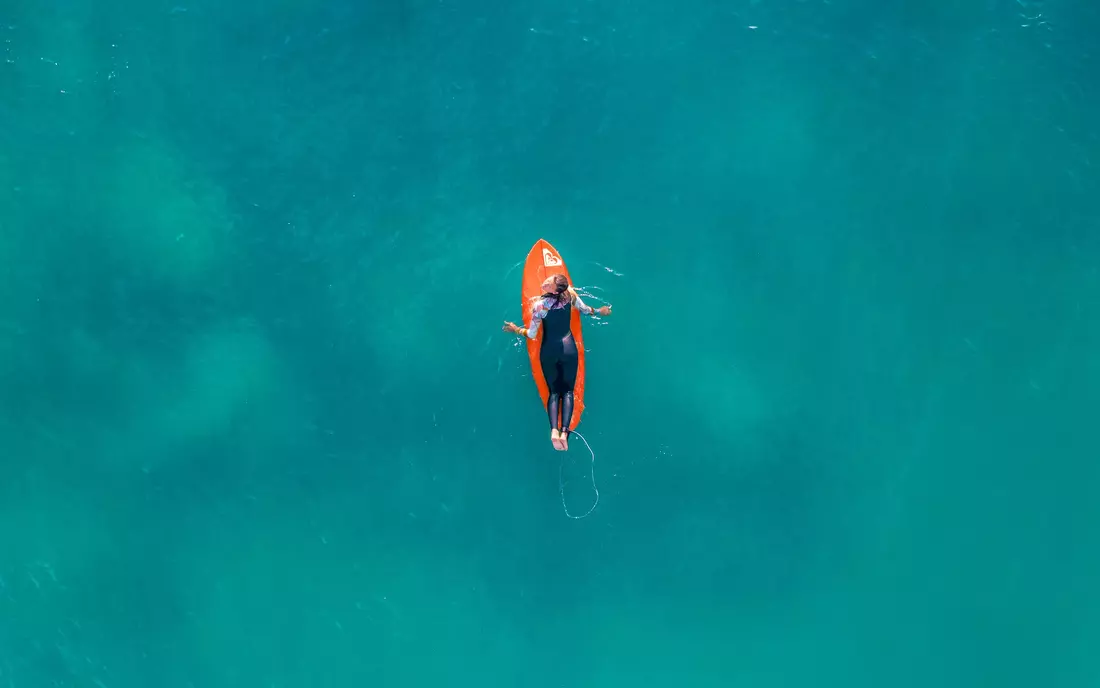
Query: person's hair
562, 290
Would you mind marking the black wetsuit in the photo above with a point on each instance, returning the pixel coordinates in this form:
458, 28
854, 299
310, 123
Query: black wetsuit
559, 360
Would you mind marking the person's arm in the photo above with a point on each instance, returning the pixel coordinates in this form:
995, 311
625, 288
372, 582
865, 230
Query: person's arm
537, 311
589, 310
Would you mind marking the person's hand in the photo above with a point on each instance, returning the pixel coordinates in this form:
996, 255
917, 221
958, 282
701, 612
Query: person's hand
510, 327
604, 310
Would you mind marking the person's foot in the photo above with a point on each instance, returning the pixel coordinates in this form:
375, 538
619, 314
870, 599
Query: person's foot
564, 439
555, 439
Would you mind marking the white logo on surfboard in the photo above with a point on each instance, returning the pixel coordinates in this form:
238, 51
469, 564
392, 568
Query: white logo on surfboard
549, 259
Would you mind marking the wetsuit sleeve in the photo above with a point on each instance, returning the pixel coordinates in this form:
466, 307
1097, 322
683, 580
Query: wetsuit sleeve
537, 312
584, 307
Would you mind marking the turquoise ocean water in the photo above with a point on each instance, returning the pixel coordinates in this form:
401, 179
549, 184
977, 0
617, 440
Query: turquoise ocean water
259, 425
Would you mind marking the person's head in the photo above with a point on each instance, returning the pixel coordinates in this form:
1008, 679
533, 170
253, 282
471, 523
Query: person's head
555, 285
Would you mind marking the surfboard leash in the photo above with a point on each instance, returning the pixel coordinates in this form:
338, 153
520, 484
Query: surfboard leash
591, 472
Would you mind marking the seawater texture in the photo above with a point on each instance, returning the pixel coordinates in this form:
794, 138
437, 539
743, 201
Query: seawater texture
259, 425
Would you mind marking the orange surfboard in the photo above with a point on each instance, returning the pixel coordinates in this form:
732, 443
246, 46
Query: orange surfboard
542, 262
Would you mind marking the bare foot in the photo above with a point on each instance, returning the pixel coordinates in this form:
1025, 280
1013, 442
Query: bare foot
564, 440
555, 438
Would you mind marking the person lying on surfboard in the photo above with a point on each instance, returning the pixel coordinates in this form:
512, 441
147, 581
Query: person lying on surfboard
558, 352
